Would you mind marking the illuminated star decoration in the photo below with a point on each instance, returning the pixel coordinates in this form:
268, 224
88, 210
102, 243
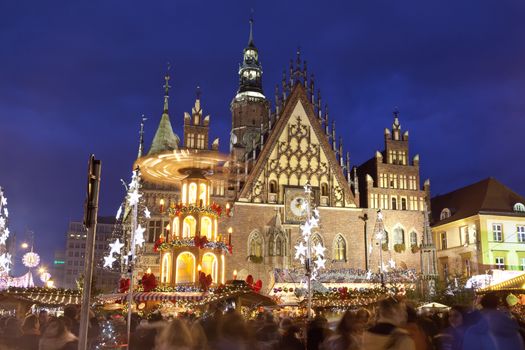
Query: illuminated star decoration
3, 238
5, 262
368, 274
139, 235
133, 197
116, 247
147, 213
392, 263
6, 213
4, 199
119, 212
304, 251
108, 261
2, 222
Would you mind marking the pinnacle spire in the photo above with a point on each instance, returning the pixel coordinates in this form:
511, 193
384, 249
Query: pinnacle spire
250, 39
166, 88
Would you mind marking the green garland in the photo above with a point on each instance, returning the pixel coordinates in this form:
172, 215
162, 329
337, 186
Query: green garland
192, 209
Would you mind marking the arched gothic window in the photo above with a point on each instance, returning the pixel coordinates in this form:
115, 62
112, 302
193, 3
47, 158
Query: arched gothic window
316, 239
340, 248
413, 238
273, 186
399, 235
279, 246
394, 203
324, 189
255, 244
403, 204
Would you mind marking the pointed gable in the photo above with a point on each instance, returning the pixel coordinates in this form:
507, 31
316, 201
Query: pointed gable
298, 152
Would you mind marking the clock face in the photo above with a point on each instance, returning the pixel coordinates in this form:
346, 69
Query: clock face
298, 206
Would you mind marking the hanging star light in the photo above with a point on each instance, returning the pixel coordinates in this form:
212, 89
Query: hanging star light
304, 252
4, 199
108, 261
392, 263
2, 222
139, 235
319, 249
3, 239
368, 274
133, 197
116, 247
5, 262
147, 213
6, 213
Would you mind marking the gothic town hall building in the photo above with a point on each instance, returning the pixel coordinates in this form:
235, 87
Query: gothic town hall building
274, 152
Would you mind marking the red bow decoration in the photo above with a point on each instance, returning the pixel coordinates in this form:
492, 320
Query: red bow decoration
230, 248
216, 208
256, 287
204, 280
158, 242
124, 285
149, 282
200, 241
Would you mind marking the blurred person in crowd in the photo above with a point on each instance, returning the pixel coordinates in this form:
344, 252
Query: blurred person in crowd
386, 333
145, 333
43, 319
12, 333
175, 335
234, 334
268, 334
288, 339
71, 313
452, 337
211, 325
58, 337
346, 335
317, 332
31, 333
495, 330
421, 341
200, 341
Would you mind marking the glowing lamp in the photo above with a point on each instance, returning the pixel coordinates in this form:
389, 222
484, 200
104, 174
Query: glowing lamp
161, 202
45, 276
42, 270
199, 267
50, 284
24, 245
148, 271
234, 274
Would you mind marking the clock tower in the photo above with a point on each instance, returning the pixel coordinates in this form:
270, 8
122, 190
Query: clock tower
249, 107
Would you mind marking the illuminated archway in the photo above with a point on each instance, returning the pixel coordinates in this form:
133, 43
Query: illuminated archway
206, 228
189, 226
184, 193
165, 276
192, 196
203, 194
210, 266
176, 228
185, 268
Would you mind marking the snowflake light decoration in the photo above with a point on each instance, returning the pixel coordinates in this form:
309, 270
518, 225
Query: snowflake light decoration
31, 259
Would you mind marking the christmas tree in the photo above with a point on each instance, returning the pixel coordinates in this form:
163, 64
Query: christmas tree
5, 257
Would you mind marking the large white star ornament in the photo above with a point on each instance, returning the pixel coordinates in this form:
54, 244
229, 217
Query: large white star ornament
133, 198
2, 222
300, 250
116, 247
3, 238
368, 274
392, 263
108, 261
4, 200
147, 213
306, 229
139, 235
319, 249
320, 263
316, 212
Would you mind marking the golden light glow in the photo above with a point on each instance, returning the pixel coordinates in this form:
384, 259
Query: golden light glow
222, 270
148, 271
24, 245
185, 268
234, 274
210, 266
50, 284
227, 205
230, 230
161, 202
199, 268
141, 306
165, 273
42, 270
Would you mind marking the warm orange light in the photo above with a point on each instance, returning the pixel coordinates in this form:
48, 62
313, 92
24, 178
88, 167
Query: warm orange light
50, 284
230, 230
168, 227
227, 205
148, 271
161, 202
42, 270
24, 245
199, 267
234, 274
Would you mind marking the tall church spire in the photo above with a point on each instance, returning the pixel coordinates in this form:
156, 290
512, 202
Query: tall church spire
250, 70
165, 139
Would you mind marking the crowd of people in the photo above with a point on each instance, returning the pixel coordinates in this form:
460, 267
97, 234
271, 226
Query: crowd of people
392, 325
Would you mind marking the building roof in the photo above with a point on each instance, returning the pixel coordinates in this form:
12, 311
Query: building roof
486, 196
164, 139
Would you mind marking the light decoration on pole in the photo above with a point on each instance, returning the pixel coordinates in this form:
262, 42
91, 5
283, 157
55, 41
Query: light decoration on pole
45, 276
312, 257
5, 257
31, 259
